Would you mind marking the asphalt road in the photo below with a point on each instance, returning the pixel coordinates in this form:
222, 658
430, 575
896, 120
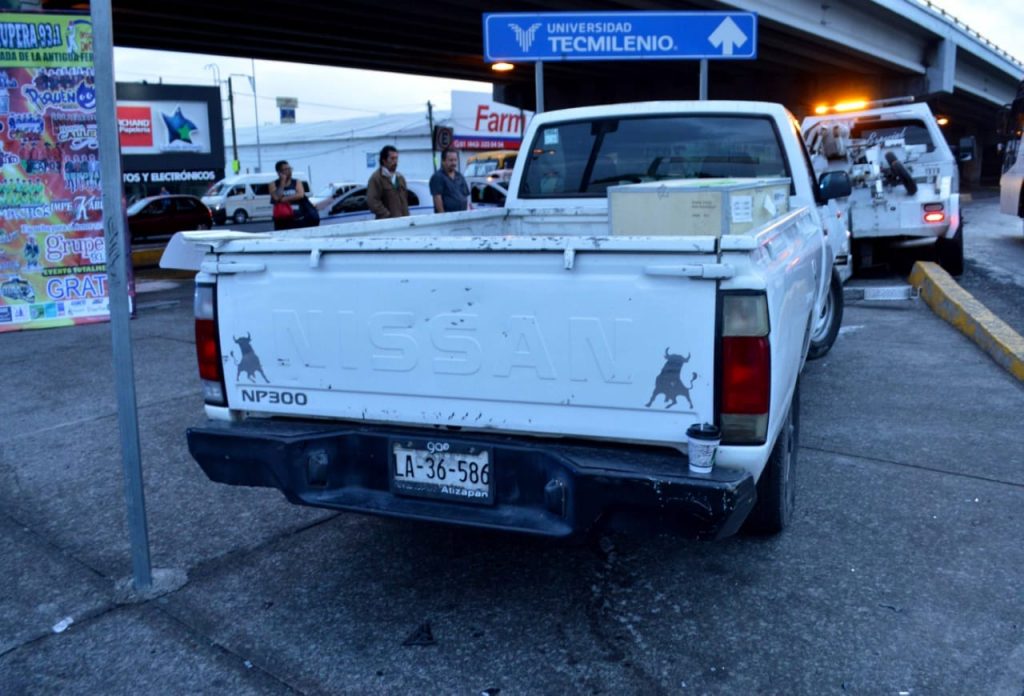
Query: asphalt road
900, 575
994, 253
993, 259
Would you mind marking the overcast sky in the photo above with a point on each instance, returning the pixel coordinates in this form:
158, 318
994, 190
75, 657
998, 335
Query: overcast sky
327, 93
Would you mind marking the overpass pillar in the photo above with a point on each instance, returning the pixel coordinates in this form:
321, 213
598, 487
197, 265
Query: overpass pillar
941, 67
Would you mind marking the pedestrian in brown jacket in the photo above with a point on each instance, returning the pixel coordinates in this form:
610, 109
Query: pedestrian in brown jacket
386, 192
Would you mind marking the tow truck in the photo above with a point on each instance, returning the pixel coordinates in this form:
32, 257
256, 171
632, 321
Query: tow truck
906, 184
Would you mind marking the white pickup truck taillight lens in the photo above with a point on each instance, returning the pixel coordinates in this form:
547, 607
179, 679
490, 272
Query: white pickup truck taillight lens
211, 372
745, 369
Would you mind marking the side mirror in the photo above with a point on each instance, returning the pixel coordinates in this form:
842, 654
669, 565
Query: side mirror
834, 185
965, 151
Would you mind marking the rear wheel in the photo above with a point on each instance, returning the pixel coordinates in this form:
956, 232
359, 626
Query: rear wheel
951, 252
825, 326
240, 217
776, 489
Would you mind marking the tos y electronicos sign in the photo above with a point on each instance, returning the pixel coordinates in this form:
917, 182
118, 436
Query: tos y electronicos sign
557, 36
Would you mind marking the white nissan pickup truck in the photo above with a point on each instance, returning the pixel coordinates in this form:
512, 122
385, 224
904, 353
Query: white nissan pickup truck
535, 368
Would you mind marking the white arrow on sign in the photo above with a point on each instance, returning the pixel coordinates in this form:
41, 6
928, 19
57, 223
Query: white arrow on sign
728, 36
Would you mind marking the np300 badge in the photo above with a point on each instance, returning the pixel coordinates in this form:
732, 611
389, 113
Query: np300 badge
273, 396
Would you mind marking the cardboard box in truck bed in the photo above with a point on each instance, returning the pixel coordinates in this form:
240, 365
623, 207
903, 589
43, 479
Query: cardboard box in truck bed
688, 207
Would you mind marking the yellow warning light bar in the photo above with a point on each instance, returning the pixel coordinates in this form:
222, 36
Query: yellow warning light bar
858, 104
851, 106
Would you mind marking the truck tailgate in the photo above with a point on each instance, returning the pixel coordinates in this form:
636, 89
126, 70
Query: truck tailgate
613, 343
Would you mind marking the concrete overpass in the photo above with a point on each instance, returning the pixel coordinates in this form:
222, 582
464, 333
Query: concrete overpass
809, 51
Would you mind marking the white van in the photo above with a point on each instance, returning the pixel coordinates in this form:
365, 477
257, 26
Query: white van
242, 198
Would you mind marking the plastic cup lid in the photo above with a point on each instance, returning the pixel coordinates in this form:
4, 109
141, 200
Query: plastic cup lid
704, 431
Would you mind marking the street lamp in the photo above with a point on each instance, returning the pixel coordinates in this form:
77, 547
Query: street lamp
256, 108
216, 72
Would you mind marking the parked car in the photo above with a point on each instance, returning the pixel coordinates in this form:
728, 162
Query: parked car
352, 206
159, 217
490, 166
490, 195
242, 198
326, 196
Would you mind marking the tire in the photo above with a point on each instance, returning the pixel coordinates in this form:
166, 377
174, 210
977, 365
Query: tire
951, 252
901, 173
240, 217
825, 327
202, 226
863, 255
776, 489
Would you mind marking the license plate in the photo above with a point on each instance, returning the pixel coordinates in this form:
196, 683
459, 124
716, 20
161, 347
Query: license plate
444, 470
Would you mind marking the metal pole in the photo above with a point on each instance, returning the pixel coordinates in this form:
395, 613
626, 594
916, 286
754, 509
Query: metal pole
256, 106
433, 141
703, 79
118, 258
538, 72
234, 138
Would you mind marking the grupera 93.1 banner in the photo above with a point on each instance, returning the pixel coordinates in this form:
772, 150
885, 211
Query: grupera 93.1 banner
52, 253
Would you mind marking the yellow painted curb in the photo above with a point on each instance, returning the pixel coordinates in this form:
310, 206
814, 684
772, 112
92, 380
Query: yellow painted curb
143, 258
972, 318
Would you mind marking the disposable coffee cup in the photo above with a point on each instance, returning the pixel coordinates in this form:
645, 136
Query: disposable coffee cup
701, 446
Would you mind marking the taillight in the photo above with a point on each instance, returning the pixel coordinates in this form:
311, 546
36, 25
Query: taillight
933, 212
207, 345
746, 378
745, 369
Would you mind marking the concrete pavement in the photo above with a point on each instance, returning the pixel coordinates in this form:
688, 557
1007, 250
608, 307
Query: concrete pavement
901, 572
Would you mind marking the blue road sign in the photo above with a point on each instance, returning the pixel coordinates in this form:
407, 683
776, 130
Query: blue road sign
557, 36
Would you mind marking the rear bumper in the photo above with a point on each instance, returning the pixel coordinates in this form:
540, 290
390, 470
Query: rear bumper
907, 236
540, 487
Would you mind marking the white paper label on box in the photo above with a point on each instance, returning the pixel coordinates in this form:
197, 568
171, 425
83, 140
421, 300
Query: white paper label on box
742, 208
551, 136
769, 206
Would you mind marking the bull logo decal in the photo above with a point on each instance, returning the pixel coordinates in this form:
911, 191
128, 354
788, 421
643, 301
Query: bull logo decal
249, 363
669, 381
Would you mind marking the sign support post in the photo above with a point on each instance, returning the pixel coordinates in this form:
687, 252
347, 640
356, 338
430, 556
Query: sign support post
538, 72
234, 138
703, 79
118, 258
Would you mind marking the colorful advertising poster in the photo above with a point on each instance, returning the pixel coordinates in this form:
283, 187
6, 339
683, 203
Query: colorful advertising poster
52, 253
157, 127
482, 124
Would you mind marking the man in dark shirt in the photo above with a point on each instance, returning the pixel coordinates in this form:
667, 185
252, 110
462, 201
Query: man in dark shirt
448, 187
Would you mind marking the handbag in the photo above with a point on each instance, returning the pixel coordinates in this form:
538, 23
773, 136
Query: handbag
308, 215
283, 211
